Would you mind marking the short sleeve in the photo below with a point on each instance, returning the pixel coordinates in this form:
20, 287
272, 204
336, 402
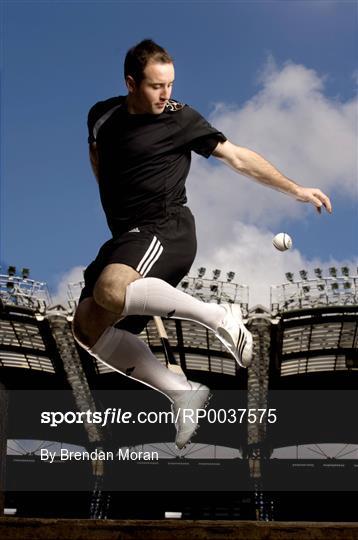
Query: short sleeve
198, 134
99, 113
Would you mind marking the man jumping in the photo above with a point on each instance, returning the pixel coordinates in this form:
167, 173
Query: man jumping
140, 151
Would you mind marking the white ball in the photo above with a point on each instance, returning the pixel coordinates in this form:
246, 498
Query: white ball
282, 241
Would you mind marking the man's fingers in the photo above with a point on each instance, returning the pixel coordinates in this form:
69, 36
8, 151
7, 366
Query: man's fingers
320, 199
316, 197
317, 202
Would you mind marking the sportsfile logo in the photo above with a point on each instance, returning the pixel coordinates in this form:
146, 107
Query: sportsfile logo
119, 416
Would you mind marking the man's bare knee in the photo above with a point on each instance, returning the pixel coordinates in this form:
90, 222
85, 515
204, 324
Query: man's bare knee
110, 289
90, 321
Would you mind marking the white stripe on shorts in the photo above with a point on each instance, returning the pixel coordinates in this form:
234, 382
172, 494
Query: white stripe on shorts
153, 252
154, 261
156, 252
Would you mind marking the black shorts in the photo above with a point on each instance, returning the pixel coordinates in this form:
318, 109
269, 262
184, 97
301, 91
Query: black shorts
164, 250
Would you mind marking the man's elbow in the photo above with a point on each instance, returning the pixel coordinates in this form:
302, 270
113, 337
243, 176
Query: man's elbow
242, 160
231, 154
236, 161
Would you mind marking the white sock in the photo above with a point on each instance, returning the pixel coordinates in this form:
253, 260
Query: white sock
153, 296
131, 356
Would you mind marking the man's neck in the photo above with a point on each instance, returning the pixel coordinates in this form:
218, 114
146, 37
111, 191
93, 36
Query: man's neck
131, 106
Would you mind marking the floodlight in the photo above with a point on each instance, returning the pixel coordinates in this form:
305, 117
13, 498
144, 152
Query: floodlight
306, 289
333, 271
214, 287
318, 272
334, 286
11, 270
201, 271
198, 284
321, 286
289, 277
216, 273
185, 283
230, 276
347, 285
10, 285
25, 273
345, 271
303, 274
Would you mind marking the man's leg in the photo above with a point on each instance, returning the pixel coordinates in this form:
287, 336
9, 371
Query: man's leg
122, 350
153, 296
129, 355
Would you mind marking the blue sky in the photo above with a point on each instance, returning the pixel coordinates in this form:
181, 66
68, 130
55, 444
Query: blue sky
58, 58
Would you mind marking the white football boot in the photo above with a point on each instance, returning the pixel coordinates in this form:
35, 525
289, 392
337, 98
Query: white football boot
233, 334
185, 407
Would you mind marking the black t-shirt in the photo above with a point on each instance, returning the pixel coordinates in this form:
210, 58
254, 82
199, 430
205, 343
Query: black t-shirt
144, 159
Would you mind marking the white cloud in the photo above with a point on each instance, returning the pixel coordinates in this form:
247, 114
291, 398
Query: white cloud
291, 121
74, 275
309, 137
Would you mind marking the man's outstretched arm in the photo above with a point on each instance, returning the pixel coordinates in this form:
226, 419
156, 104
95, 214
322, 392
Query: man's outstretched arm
251, 164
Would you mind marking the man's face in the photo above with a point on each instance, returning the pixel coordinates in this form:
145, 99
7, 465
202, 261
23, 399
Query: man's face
153, 92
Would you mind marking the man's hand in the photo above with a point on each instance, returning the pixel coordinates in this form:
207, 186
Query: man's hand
315, 197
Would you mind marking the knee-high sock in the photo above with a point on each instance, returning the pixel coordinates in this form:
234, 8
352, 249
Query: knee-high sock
128, 354
153, 296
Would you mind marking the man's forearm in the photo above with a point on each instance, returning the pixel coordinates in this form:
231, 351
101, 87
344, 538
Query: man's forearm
255, 166
247, 162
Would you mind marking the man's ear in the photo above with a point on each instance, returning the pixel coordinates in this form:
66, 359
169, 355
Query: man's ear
130, 83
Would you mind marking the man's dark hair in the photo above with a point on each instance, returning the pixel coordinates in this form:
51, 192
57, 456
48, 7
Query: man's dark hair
138, 57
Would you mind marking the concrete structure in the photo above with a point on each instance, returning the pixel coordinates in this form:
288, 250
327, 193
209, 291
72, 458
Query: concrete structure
304, 346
